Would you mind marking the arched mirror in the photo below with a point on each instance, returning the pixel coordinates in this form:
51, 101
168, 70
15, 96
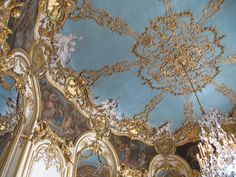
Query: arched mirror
94, 157
169, 166
92, 165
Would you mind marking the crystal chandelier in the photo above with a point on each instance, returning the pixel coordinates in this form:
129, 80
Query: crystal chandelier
217, 156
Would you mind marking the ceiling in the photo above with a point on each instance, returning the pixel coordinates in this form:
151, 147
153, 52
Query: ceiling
161, 60
133, 86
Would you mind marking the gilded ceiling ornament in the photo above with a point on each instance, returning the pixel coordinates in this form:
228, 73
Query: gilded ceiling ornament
165, 145
188, 133
229, 125
228, 60
177, 55
73, 87
210, 10
226, 91
164, 142
133, 128
76, 88
100, 125
195, 61
119, 67
18, 79
58, 11
149, 107
104, 18
40, 53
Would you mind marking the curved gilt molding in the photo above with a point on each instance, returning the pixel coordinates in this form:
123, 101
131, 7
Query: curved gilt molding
43, 132
136, 129
89, 141
190, 131
170, 162
15, 64
44, 143
76, 86
7, 9
178, 67
104, 18
186, 134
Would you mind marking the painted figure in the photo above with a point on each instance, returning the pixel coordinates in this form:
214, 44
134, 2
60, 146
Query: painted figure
61, 116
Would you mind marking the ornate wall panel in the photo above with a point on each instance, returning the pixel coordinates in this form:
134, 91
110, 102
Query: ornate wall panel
15, 74
46, 160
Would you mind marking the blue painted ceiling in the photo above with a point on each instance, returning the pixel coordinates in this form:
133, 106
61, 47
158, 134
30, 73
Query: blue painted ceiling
101, 46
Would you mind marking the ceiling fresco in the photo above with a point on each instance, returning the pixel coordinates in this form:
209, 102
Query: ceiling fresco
162, 60
60, 115
133, 153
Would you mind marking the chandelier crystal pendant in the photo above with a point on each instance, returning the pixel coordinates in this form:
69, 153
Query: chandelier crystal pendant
217, 156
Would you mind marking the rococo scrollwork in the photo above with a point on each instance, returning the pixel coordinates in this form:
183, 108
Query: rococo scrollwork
174, 55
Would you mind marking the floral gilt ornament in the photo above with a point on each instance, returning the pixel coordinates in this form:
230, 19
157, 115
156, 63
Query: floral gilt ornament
217, 156
178, 55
